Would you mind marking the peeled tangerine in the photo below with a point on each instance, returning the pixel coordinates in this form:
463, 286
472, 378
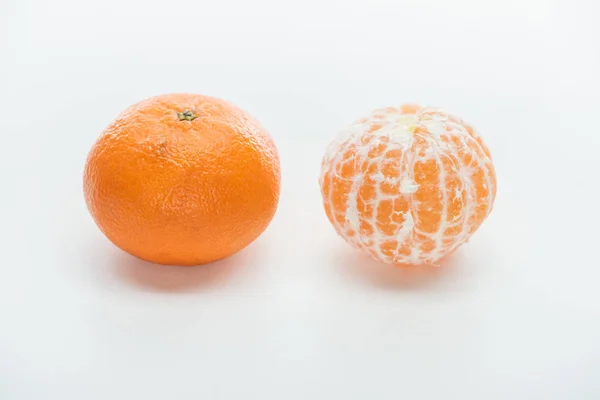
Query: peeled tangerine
409, 185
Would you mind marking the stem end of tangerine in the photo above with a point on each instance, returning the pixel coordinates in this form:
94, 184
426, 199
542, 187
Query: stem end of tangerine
187, 115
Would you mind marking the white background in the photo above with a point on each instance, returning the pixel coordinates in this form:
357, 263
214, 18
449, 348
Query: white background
299, 315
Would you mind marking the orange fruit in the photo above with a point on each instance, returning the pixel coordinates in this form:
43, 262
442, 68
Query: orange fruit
409, 185
182, 179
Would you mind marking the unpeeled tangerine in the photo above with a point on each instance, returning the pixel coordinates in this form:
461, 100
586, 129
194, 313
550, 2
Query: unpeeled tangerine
409, 185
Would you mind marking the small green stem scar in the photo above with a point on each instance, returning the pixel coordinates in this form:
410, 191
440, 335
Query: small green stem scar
187, 115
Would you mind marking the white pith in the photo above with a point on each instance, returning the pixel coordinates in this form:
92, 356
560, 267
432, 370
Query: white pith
399, 130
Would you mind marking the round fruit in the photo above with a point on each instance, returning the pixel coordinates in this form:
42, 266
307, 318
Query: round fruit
183, 179
409, 185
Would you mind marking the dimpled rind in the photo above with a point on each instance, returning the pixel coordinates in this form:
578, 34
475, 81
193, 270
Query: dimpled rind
408, 185
183, 179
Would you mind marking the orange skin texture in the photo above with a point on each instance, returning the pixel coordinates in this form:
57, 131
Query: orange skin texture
183, 192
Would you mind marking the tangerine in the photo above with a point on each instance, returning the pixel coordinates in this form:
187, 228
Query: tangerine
408, 185
183, 179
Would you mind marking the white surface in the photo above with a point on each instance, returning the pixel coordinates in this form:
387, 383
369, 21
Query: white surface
298, 315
